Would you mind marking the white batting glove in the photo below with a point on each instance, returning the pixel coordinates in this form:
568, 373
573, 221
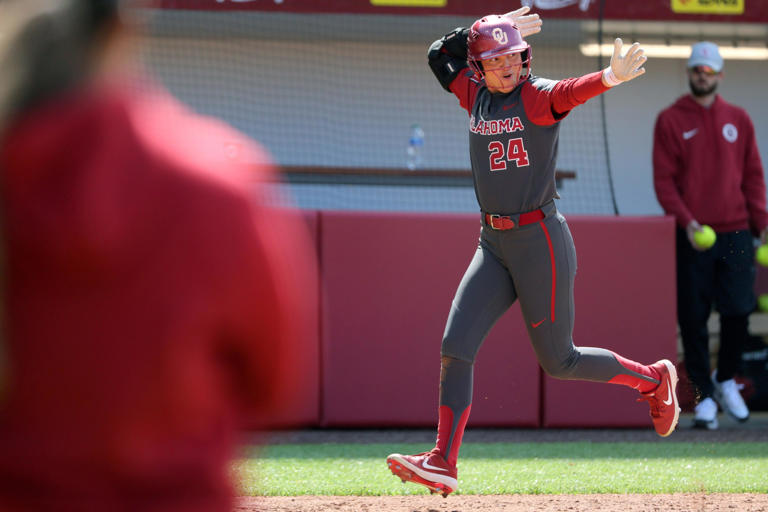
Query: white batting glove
528, 25
628, 67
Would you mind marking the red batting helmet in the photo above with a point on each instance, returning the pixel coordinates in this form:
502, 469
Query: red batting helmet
494, 36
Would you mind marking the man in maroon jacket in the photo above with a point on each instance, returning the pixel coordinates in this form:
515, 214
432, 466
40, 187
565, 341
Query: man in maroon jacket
707, 171
151, 304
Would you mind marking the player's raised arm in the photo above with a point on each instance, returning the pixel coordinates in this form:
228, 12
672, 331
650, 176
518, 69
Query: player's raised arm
571, 92
624, 68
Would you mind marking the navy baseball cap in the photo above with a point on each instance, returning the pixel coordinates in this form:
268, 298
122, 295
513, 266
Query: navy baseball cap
706, 54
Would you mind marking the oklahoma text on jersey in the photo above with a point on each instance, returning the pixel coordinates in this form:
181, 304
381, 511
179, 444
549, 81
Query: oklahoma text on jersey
496, 126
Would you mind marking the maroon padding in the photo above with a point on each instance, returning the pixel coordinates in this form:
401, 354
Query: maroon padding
388, 281
761, 279
305, 411
625, 301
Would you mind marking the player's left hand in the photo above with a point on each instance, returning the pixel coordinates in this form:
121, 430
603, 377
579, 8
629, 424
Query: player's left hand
690, 231
527, 24
631, 64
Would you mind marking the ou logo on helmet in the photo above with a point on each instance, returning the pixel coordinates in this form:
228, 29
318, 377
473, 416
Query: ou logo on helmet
730, 133
499, 35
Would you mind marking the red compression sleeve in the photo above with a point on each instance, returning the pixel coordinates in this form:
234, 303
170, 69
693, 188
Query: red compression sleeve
573, 92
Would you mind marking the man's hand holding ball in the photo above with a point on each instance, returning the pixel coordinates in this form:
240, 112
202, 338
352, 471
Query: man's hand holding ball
701, 237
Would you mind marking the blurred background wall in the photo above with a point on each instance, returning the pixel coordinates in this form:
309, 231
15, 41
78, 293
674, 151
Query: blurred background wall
342, 90
332, 89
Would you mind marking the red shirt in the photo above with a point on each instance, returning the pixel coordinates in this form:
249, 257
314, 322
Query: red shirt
706, 166
151, 304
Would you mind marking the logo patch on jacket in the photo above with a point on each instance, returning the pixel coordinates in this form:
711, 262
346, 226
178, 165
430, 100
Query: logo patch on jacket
730, 133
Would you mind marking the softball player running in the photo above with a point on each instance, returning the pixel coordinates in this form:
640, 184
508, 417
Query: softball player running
526, 252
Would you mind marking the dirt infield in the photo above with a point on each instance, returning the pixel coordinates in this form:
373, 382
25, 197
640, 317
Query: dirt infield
512, 503
756, 429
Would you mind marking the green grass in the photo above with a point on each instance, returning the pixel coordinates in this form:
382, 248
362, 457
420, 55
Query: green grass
514, 468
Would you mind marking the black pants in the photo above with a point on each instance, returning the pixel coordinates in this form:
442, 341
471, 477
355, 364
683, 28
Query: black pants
723, 277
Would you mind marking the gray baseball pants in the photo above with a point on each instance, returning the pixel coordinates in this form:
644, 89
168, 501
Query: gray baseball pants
535, 264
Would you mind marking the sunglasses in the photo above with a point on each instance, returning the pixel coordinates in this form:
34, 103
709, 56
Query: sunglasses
704, 70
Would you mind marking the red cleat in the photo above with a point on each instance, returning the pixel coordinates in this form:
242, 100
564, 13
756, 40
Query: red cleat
428, 469
665, 411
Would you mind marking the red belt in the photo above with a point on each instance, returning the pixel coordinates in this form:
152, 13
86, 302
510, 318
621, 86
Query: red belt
504, 222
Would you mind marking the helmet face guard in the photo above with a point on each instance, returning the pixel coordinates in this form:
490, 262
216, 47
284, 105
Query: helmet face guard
496, 36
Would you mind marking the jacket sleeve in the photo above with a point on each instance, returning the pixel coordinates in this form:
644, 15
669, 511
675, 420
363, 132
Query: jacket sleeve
753, 184
269, 310
666, 165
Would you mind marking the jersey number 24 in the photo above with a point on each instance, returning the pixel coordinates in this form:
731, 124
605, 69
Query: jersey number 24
515, 152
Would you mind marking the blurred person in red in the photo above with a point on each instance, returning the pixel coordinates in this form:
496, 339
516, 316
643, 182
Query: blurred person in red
151, 304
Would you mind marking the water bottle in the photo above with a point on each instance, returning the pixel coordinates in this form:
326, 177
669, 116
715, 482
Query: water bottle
415, 148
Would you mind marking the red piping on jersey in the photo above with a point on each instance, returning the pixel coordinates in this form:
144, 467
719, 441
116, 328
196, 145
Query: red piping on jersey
554, 268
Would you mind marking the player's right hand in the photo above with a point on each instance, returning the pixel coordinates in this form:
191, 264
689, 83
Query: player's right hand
527, 25
630, 65
690, 231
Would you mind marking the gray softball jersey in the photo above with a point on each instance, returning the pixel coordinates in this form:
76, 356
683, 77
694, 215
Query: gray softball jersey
513, 138
513, 157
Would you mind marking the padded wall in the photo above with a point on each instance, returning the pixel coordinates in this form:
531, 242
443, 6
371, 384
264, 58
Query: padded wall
306, 410
388, 283
761, 279
625, 301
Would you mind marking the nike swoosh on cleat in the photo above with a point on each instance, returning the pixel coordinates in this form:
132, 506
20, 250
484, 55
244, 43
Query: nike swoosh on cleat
427, 465
668, 401
536, 324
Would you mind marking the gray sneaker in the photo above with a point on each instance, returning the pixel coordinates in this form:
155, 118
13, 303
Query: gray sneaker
705, 414
729, 397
